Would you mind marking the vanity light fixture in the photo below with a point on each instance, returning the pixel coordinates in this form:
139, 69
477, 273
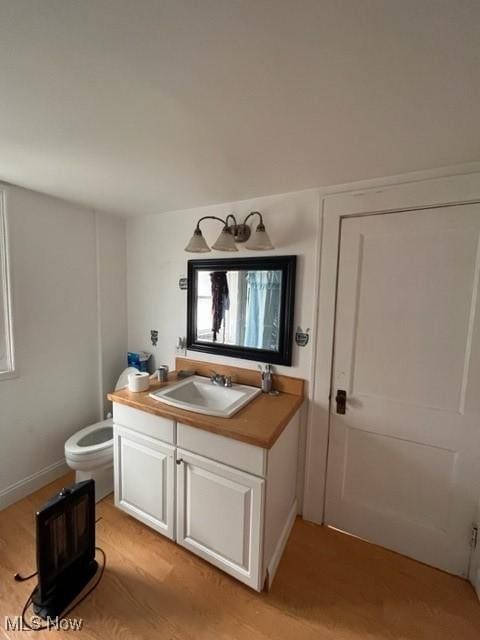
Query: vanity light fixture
259, 240
224, 242
231, 234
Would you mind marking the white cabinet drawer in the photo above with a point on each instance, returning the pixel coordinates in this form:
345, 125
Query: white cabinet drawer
143, 422
236, 454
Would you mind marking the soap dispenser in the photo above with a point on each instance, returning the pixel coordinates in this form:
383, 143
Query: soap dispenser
266, 377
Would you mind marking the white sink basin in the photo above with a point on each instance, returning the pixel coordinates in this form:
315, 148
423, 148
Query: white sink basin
199, 395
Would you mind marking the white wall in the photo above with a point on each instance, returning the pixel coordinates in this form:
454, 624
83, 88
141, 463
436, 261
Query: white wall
112, 302
53, 249
156, 260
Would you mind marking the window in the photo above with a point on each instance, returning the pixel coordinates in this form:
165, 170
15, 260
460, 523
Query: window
6, 333
231, 320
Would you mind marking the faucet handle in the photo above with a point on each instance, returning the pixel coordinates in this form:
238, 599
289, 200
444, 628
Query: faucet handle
228, 381
217, 378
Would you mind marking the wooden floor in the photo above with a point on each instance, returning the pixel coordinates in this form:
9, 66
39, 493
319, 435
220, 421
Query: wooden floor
329, 585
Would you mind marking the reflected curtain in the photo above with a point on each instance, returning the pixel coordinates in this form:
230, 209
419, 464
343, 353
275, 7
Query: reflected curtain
220, 300
262, 309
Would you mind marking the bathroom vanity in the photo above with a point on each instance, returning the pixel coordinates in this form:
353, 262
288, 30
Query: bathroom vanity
223, 488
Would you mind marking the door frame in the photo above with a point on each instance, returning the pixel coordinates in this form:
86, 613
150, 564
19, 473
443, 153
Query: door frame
474, 568
374, 200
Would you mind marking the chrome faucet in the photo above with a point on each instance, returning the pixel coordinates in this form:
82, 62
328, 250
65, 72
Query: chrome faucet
221, 381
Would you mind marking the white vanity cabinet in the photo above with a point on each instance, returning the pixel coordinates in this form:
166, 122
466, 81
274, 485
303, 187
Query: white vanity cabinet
231, 503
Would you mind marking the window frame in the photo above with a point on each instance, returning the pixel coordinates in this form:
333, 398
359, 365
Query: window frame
6, 289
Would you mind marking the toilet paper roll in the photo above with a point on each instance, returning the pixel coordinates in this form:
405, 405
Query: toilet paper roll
138, 381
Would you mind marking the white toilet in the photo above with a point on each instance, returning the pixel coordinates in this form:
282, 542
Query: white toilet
90, 451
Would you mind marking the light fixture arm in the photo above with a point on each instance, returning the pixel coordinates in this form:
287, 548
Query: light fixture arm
224, 222
230, 215
242, 232
254, 213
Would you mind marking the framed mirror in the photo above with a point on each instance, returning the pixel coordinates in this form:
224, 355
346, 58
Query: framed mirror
242, 307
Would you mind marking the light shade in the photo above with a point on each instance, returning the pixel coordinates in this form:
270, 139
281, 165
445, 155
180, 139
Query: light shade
225, 241
197, 243
259, 240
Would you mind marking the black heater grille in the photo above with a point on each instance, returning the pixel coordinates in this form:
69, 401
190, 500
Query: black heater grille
65, 547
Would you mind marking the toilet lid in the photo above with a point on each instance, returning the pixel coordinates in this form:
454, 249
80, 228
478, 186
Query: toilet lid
123, 378
92, 439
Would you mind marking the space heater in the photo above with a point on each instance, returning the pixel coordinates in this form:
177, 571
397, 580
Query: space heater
65, 548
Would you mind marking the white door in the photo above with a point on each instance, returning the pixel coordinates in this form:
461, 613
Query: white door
220, 516
404, 460
145, 479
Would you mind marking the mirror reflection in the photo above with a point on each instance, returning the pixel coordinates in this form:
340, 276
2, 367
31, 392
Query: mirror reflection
240, 308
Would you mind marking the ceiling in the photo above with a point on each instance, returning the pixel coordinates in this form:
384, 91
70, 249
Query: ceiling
145, 106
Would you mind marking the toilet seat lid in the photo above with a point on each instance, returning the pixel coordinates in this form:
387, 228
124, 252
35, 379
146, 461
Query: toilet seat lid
93, 438
123, 377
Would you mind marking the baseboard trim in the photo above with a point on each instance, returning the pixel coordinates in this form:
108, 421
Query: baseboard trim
28, 485
281, 544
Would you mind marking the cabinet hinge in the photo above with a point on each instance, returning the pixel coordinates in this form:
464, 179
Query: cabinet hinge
474, 538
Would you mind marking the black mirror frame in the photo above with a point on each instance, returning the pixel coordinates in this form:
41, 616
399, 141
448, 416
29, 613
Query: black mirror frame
285, 264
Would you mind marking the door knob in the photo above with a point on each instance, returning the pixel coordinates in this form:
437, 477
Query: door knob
341, 400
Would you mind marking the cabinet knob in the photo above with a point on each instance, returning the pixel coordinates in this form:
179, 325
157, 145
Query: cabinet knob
180, 460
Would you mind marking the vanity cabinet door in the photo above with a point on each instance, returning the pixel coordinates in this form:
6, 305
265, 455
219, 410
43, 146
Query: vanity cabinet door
220, 516
145, 479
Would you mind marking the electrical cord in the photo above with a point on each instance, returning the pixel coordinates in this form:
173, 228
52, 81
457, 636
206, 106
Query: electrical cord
19, 578
27, 625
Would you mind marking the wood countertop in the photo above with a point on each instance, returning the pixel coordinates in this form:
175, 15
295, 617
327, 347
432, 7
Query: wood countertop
259, 423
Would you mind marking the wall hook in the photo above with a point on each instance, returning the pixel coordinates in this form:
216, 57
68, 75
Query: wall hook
301, 337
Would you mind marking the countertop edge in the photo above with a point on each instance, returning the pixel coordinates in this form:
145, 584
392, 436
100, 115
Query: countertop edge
191, 422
